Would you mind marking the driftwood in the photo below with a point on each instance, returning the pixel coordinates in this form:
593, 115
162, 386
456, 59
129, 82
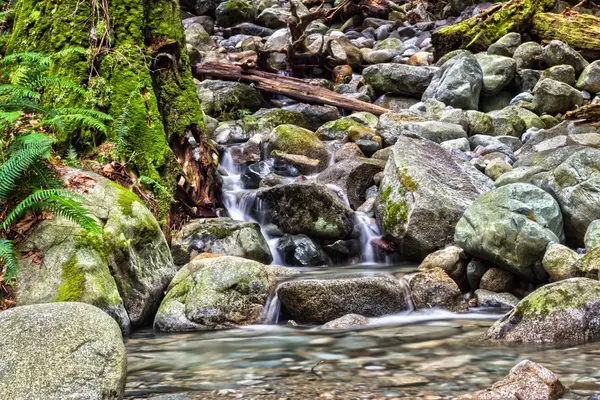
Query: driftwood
479, 32
580, 31
287, 86
585, 114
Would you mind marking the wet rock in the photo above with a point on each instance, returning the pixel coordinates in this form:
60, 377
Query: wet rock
249, 152
461, 144
274, 17
457, 83
423, 193
311, 209
348, 151
435, 289
232, 12
592, 235
395, 103
528, 380
487, 298
300, 250
269, 119
254, 174
510, 226
560, 73
278, 41
399, 79
506, 45
222, 96
220, 236
564, 313
215, 293
589, 79
559, 262
528, 55
475, 271
316, 115
557, 53
292, 139
348, 321
391, 125
319, 301
353, 176
339, 129
553, 97
498, 72
452, 260
124, 271
497, 280
343, 52
61, 351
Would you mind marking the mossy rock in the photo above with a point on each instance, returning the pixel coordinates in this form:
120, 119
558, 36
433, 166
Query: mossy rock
562, 313
272, 118
233, 12
212, 293
123, 271
293, 139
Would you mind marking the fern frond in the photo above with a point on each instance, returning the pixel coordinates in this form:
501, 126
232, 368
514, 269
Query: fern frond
33, 57
69, 51
40, 176
18, 162
146, 180
56, 82
61, 202
80, 120
19, 91
19, 75
121, 124
8, 258
83, 111
10, 116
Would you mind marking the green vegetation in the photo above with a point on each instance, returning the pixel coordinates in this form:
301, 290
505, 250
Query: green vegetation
28, 182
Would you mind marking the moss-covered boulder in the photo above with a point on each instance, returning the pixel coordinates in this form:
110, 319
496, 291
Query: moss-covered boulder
554, 97
124, 271
61, 351
311, 209
220, 236
269, 119
406, 80
233, 12
498, 72
222, 98
559, 262
564, 313
318, 301
293, 139
423, 193
510, 227
339, 129
213, 293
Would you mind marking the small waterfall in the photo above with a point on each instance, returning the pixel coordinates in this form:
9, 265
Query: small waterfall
270, 314
231, 182
368, 231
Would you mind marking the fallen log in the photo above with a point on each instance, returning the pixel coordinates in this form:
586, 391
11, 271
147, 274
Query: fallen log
479, 32
284, 85
580, 31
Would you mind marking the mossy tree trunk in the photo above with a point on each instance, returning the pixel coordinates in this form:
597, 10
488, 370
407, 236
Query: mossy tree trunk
580, 31
139, 72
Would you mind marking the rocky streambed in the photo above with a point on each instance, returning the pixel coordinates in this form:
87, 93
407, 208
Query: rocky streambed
426, 251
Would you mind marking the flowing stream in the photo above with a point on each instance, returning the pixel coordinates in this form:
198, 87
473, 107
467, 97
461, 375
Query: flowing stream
413, 355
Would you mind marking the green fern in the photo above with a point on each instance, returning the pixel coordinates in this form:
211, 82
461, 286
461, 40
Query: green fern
71, 158
152, 184
8, 257
121, 124
61, 202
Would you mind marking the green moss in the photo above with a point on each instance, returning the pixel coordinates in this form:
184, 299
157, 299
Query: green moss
238, 5
560, 296
295, 140
407, 181
396, 215
72, 282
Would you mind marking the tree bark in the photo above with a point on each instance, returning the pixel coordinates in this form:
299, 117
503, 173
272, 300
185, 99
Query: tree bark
287, 86
137, 62
479, 32
580, 31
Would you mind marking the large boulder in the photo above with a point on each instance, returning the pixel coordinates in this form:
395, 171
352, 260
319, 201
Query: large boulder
61, 351
436, 131
457, 83
590, 78
318, 301
423, 193
511, 226
354, 176
218, 97
221, 236
565, 313
232, 12
124, 271
526, 380
435, 289
300, 250
311, 209
215, 293
554, 97
498, 72
406, 80
572, 175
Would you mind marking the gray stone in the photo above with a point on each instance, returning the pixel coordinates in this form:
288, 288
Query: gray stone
497, 280
506, 45
498, 72
592, 235
399, 79
348, 321
461, 144
295, 140
486, 298
319, 301
220, 236
507, 122
423, 193
589, 79
559, 262
215, 293
561, 73
557, 53
528, 55
510, 226
452, 260
457, 83
232, 12
475, 271
316, 115
553, 97
278, 42
479, 123
61, 351
563, 313
300, 250
217, 97
311, 209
